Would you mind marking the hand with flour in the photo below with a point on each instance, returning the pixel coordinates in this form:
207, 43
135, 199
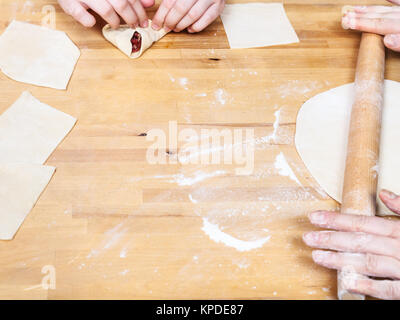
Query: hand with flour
384, 20
368, 245
195, 15
131, 11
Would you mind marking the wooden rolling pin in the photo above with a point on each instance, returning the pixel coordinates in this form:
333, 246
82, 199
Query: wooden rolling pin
360, 178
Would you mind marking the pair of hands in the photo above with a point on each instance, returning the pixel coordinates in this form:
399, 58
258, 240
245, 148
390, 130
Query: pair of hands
384, 20
369, 246
177, 15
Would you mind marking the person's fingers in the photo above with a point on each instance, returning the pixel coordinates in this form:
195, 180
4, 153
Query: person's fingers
159, 17
78, 12
355, 223
381, 26
395, 2
125, 11
353, 242
147, 3
392, 41
140, 12
177, 12
367, 264
106, 11
390, 199
382, 289
194, 14
376, 9
207, 18
375, 15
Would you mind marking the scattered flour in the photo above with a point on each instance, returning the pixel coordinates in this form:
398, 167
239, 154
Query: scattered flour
197, 177
284, 169
220, 95
215, 234
184, 82
273, 136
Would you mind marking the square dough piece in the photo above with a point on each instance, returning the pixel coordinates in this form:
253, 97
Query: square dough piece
30, 130
20, 188
252, 25
37, 55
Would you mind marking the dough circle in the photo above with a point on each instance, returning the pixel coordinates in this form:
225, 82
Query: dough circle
321, 139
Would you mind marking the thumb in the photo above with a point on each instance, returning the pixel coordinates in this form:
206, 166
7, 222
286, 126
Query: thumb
392, 41
147, 3
391, 200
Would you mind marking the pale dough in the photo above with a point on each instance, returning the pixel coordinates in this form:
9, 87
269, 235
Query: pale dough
322, 132
20, 187
30, 130
37, 55
251, 25
121, 38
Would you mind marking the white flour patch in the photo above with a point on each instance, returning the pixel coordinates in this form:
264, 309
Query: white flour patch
171, 78
284, 169
220, 95
197, 177
184, 82
123, 253
295, 88
113, 236
273, 137
217, 235
125, 272
191, 199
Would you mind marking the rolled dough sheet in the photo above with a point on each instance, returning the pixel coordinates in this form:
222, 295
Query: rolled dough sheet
249, 25
20, 188
121, 38
37, 55
30, 130
321, 139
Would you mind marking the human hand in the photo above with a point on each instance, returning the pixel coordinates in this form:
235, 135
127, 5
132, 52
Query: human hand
195, 15
368, 245
384, 20
131, 11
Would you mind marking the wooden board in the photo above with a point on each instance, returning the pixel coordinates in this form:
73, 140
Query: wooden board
114, 226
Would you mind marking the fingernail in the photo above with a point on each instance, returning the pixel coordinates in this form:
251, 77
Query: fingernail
392, 41
348, 22
351, 14
347, 9
360, 8
317, 217
145, 24
309, 237
167, 29
155, 27
320, 256
389, 194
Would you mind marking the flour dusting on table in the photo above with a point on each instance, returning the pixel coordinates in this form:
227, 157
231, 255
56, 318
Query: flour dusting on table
217, 235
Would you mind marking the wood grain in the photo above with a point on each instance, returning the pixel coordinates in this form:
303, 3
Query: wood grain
113, 230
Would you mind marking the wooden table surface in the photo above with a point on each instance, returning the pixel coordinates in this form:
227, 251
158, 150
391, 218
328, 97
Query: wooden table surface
116, 227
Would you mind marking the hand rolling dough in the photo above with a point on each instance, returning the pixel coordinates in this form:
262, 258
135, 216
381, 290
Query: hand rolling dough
124, 38
322, 132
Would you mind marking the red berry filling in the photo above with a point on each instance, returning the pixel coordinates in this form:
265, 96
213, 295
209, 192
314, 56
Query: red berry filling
136, 42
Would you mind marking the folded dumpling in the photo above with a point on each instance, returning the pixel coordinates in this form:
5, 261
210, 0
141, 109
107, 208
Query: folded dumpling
133, 42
